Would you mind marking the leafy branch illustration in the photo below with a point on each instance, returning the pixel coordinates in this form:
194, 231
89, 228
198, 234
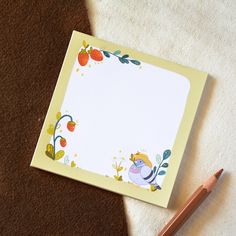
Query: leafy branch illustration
118, 169
87, 52
123, 59
51, 148
160, 160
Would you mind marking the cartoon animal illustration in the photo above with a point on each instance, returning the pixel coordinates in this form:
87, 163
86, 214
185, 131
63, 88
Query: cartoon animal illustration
141, 171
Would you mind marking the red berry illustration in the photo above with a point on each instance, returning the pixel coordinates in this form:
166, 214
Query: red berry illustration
96, 55
71, 126
63, 142
83, 57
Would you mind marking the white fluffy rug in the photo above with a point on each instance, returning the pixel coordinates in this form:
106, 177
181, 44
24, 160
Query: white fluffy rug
200, 34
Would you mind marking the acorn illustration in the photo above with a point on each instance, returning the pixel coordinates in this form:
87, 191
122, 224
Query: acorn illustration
63, 142
83, 57
96, 55
71, 126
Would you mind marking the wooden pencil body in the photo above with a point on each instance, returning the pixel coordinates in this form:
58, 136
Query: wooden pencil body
185, 212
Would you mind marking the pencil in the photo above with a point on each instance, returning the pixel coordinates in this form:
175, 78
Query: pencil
190, 206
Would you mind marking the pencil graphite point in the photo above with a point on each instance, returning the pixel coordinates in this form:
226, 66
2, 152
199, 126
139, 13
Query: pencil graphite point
218, 173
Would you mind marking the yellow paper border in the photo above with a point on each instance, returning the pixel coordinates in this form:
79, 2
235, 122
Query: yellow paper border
197, 81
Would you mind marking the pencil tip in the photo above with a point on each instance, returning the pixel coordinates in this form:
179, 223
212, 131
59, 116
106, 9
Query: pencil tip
218, 173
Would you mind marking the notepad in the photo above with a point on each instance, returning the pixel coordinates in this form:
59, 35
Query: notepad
119, 119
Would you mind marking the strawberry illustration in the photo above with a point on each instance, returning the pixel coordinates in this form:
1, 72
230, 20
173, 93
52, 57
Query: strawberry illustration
96, 55
63, 142
71, 126
83, 57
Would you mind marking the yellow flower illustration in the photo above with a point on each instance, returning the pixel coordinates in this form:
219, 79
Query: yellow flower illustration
118, 168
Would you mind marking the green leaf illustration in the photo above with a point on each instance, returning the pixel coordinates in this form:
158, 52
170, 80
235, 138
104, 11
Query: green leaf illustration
90, 50
117, 52
120, 168
165, 165
125, 56
166, 154
106, 54
50, 129
119, 178
84, 44
48, 154
135, 62
72, 164
58, 116
158, 158
59, 155
162, 172
50, 149
123, 60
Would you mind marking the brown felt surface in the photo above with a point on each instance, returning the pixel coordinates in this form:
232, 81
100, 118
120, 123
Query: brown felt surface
33, 41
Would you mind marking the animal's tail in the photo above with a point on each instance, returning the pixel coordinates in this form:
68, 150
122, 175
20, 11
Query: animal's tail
154, 185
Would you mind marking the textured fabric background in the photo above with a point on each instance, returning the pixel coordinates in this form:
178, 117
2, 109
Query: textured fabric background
200, 34
33, 41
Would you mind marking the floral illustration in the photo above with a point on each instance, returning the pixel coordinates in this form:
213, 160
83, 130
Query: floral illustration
51, 148
88, 52
117, 165
142, 171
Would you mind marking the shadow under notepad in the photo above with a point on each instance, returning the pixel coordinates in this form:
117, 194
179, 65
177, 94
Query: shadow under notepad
179, 194
210, 208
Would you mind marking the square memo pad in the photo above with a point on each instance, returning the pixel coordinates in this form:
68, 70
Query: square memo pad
119, 119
